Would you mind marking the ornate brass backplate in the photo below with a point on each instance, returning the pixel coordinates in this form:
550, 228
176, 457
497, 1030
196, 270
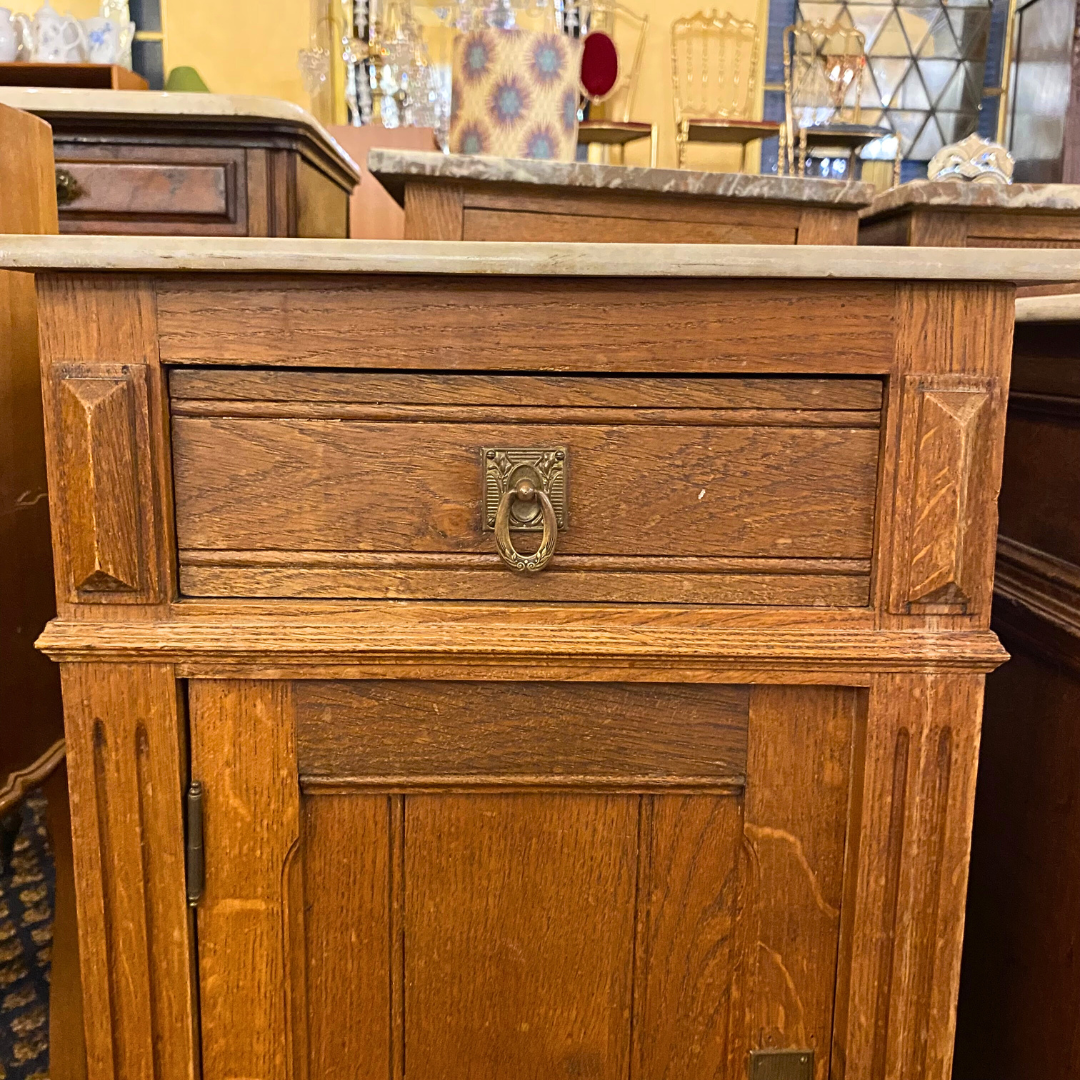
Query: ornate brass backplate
68, 189
781, 1065
505, 468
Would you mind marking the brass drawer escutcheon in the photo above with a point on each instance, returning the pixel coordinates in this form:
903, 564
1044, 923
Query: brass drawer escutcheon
68, 189
525, 490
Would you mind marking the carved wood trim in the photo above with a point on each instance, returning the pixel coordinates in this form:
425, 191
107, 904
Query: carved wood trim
136, 934
911, 844
104, 510
234, 643
1036, 602
946, 491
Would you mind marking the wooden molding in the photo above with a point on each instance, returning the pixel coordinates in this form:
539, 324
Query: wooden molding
20, 782
946, 502
270, 643
125, 731
1036, 600
101, 418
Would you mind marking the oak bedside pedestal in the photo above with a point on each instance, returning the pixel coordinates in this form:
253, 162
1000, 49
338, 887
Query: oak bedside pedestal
472, 197
950, 213
691, 797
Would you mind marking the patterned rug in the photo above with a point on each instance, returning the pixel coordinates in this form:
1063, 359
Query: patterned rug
26, 900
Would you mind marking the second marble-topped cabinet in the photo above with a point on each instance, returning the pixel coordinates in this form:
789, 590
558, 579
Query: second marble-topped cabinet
462, 197
961, 214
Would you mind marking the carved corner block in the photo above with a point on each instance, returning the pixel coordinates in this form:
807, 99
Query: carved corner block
103, 483
946, 496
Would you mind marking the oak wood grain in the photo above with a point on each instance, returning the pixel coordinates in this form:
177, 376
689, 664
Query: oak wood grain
910, 857
826, 226
537, 839
686, 947
955, 427
346, 860
952, 338
633, 490
526, 226
665, 326
799, 770
443, 209
251, 920
400, 731
127, 765
519, 916
113, 442
433, 212
98, 417
236, 386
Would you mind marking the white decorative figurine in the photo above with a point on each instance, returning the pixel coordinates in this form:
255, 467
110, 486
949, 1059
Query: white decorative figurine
974, 159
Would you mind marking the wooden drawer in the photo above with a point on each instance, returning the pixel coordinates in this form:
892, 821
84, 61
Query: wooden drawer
706, 490
158, 189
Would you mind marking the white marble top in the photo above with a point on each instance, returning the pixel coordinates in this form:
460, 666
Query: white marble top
46, 101
957, 194
393, 167
257, 255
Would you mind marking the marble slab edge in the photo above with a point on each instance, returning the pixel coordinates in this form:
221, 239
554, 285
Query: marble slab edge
1061, 308
259, 255
55, 101
963, 195
394, 167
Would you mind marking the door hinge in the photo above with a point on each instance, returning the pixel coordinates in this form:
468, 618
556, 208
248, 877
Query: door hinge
196, 869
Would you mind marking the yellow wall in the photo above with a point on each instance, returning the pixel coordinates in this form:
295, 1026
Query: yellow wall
251, 46
654, 98
240, 46
237, 46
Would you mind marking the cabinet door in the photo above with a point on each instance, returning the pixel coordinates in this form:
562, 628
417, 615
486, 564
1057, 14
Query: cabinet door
517, 880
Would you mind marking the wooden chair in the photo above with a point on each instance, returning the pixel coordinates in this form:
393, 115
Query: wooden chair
714, 61
32, 746
823, 79
609, 122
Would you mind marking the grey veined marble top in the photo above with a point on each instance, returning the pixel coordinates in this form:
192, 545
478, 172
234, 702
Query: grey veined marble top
946, 194
394, 167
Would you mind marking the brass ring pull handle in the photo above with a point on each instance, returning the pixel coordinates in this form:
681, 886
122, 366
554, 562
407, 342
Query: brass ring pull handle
529, 564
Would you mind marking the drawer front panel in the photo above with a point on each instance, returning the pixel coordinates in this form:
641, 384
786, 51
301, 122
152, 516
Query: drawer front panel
167, 190
690, 489
127, 188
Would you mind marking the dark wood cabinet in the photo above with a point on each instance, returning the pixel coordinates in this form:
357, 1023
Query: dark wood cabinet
140, 162
1020, 993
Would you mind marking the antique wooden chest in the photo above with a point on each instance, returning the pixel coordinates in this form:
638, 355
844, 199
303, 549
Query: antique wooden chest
522, 660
